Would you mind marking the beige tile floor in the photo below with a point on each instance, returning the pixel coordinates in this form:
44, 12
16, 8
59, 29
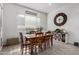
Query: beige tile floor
58, 48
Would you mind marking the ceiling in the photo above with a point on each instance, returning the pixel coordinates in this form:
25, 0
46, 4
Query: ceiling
47, 7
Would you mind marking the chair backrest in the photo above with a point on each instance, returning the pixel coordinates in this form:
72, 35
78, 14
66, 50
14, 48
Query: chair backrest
32, 32
21, 37
40, 39
48, 32
32, 41
39, 34
47, 37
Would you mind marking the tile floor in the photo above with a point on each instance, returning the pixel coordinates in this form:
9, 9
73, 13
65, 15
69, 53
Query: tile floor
58, 48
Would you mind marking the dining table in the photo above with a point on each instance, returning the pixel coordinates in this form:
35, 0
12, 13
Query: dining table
29, 36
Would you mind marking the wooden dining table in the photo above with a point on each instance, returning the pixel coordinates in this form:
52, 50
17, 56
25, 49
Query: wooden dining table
34, 36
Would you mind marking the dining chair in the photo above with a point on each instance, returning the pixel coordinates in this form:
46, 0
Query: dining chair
47, 43
48, 32
32, 45
23, 45
39, 33
35, 44
49, 38
40, 37
32, 32
39, 42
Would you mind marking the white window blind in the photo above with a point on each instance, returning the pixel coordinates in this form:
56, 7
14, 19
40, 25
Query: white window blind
28, 21
32, 21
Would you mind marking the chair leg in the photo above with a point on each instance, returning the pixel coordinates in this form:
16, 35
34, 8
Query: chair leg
48, 44
35, 49
31, 51
51, 42
45, 46
41, 47
22, 50
26, 48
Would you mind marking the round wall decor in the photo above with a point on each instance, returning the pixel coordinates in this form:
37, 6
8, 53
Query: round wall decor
60, 19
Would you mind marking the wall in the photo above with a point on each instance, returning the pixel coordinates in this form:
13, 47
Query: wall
1, 25
72, 25
10, 19
0, 16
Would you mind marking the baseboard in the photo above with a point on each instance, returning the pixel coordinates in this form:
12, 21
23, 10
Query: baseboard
12, 41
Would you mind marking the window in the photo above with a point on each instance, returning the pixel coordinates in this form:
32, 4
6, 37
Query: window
32, 21
28, 21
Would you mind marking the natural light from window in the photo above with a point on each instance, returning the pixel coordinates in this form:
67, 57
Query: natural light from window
28, 21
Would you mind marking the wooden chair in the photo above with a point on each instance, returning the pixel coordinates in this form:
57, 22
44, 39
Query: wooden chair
23, 45
49, 38
39, 33
48, 32
39, 42
32, 32
40, 39
32, 46
34, 43
47, 43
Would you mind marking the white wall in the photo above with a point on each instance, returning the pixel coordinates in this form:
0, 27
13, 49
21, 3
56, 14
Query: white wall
72, 25
10, 19
1, 27
0, 17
